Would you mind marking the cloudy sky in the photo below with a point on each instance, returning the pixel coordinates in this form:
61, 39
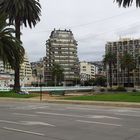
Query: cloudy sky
93, 23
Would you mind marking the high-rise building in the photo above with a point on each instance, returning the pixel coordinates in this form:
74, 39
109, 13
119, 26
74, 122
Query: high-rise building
61, 48
25, 72
7, 74
119, 48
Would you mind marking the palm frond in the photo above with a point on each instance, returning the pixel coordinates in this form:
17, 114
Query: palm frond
127, 3
27, 11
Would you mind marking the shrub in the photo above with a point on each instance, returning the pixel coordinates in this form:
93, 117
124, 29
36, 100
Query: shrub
102, 90
120, 89
134, 90
111, 89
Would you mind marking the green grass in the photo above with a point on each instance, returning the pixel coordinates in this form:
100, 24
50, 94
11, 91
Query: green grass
12, 94
120, 97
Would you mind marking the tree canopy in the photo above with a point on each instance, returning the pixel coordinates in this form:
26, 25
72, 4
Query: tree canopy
11, 49
26, 11
127, 3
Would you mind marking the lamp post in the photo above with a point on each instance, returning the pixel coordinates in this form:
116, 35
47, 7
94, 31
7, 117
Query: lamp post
40, 77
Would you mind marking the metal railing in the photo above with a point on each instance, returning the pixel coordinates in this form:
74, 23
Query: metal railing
62, 88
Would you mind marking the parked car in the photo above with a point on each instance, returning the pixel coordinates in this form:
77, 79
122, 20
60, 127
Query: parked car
23, 92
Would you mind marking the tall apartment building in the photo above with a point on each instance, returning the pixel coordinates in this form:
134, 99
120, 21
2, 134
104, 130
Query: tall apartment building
25, 72
7, 74
87, 71
61, 48
119, 77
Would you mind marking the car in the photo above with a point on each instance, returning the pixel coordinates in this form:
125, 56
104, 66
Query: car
23, 92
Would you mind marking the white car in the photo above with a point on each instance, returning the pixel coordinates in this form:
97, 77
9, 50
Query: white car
23, 92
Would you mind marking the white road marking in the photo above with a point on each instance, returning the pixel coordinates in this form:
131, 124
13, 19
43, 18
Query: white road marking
103, 109
36, 123
103, 117
27, 123
80, 108
99, 123
126, 110
85, 116
10, 122
130, 115
23, 131
30, 107
57, 114
20, 114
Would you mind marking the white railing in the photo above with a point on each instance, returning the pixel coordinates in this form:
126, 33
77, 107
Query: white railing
70, 88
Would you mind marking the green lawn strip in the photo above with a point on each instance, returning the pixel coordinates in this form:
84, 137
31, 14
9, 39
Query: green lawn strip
121, 97
11, 94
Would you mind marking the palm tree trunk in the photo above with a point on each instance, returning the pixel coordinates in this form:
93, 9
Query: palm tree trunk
128, 80
17, 65
55, 81
110, 76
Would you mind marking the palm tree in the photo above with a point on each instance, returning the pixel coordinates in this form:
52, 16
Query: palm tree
57, 73
21, 12
127, 63
11, 50
109, 61
127, 3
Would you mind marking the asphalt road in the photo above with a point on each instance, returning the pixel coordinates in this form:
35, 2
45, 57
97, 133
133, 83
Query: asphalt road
47, 121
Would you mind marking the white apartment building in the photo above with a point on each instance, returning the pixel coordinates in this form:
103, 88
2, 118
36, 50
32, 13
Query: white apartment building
87, 71
7, 74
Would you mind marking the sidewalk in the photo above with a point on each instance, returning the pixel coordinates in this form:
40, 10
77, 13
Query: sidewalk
55, 99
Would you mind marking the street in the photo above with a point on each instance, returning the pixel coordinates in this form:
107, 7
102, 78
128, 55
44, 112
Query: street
49, 121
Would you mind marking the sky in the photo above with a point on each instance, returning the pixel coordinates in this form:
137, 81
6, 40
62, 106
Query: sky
93, 23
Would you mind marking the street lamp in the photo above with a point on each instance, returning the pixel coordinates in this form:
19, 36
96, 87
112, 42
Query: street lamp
40, 77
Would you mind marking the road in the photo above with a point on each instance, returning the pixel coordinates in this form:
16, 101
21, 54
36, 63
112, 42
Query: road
48, 121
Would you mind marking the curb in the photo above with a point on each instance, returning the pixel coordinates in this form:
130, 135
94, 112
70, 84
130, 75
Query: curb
98, 103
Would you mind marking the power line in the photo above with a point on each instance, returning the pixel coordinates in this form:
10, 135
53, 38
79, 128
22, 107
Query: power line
115, 29
93, 22
101, 20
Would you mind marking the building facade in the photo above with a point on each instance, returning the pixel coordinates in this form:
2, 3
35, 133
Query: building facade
100, 68
119, 48
25, 72
61, 49
38, 70
88, 71
7, 74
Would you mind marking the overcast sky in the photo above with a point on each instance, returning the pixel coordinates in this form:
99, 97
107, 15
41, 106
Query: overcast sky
93, 23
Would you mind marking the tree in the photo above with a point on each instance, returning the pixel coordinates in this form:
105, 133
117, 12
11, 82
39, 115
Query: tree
11, 50
127, 3
100, 81
127, 64
109, 61
20, 12
57, 73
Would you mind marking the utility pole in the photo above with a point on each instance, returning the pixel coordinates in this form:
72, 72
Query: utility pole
40, 76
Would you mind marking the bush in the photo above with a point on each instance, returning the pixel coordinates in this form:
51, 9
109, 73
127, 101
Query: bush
134, 90
120, 89
110, 89
102, 90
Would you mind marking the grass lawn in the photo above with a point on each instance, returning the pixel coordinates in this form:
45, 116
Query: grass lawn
121, 97
12, 94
